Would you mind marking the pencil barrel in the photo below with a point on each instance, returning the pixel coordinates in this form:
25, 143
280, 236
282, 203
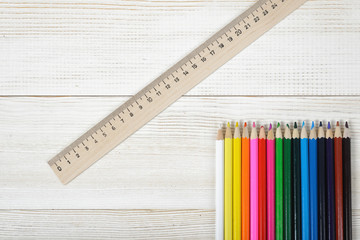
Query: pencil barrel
296, 189
313, 177
347, 188
287, 190
321, 149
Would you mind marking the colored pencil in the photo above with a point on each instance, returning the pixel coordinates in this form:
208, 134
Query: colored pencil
254, 184
220, 185
270, 183
287, 184
330, 188
279, 184
304, 155
237, 184
321, 150
262, 184
338, 183
296, 184
347, 183
313, 176
228, 184
245, 184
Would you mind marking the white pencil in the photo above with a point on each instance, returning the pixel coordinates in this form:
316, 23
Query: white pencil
220, 185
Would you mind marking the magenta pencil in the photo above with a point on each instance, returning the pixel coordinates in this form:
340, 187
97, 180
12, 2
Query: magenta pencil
270, 175
254, 184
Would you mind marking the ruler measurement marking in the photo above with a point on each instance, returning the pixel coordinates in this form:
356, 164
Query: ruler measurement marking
188, 68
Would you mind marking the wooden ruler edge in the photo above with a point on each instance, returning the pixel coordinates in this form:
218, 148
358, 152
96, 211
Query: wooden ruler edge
178, 65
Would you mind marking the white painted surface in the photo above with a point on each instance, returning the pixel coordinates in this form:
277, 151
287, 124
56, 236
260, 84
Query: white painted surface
115, 48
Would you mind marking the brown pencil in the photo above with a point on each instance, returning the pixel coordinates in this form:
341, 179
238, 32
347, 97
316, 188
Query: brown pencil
338, 183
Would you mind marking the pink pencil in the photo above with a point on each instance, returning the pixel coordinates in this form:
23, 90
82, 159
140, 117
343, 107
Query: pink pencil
254, 185
270, 149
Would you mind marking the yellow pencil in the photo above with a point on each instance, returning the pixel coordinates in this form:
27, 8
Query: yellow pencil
237, 184
228, 184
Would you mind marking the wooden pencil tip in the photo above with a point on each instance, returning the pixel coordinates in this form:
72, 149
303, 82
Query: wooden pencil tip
303, 124
337, 124
270, 126
287, 125
254, 124
245, 124
228, 124
320, 124
329, 126
237, 124
346, 124
312, 125
262, 127
295, 124
278, 125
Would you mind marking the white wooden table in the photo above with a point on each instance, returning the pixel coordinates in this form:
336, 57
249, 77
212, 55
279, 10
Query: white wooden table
67, 64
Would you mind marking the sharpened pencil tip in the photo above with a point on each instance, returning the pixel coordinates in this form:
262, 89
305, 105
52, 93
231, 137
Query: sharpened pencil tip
245, 124
228, 125
329, 126
337, 124
295, 124
312, 125
287, 125
278, 125
303, 124
262, 127
237, 124
320, 124
254, 124
346, 124
270, 126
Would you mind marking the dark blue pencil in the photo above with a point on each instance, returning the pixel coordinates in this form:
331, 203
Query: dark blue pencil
321, 151
330, 185
313, 184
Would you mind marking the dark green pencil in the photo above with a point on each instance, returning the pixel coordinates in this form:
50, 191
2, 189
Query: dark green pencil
287, 184
296, 167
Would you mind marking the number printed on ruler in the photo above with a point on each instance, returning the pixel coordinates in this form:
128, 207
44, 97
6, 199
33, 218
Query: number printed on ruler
170, 86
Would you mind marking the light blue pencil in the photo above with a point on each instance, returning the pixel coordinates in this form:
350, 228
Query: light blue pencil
313, 186
304, 149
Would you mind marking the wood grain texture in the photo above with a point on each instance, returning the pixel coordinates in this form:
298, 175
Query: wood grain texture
117, 47
107, 224
168, 164
110, 224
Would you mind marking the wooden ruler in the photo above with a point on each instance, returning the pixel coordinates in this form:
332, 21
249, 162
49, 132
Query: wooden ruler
170, 86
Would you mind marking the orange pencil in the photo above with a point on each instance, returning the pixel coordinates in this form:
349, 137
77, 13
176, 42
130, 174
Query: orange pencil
245, 184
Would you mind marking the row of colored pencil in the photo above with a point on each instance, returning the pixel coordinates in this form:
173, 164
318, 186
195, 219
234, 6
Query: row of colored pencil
291, 187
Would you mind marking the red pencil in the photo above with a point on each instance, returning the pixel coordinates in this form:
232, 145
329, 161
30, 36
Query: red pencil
338, 183
262, 184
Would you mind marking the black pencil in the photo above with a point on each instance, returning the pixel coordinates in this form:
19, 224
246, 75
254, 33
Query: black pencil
347, 183
296, 169
330, 185
321, 183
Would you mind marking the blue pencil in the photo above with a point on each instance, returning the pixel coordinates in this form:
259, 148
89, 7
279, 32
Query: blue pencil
313, 185
304, 150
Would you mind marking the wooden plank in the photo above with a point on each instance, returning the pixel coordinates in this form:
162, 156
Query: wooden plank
168, 164
117, 47
120, 224
107, 224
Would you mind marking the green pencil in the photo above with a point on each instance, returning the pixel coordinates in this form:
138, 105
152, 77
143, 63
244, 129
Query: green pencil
279, 184
287, 183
